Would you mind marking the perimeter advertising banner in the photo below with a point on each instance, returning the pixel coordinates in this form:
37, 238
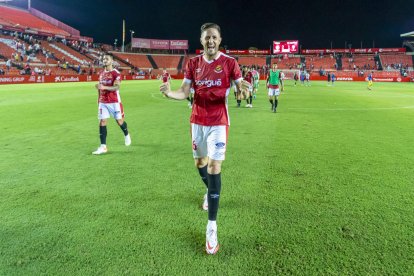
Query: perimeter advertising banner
160, 44
141, 43
241, 52
356, 51
179, 44
285, 47
95, 78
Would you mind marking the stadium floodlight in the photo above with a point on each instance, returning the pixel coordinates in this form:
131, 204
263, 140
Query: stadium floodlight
132, 36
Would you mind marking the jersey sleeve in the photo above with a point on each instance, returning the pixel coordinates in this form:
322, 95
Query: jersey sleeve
235, 71
116, 75
189, 72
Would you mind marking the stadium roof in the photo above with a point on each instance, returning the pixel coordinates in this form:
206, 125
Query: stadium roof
410, 34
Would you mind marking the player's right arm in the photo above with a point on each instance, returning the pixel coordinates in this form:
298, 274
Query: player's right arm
181, 94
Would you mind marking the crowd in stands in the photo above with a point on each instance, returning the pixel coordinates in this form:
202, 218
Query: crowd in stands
32, 55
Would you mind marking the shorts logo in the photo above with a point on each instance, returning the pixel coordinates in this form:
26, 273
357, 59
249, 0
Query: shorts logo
218, 69
194, 145
220, 145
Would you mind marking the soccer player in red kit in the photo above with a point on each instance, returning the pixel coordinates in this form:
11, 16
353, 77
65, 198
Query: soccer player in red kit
109, 103
211, 73
165, 77
248, 76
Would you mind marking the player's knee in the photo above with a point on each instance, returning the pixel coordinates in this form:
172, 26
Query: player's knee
200, 162
102, 122
214, 167
120, 121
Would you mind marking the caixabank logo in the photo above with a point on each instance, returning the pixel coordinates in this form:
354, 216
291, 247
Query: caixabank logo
66, 79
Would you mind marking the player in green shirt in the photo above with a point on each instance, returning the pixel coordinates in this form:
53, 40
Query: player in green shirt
273, 82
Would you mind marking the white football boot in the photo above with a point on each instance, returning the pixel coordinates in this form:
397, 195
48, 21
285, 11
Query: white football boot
127, 140
212, 245
101, 150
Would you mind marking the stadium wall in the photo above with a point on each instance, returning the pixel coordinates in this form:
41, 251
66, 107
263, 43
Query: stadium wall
59, 78
95, 78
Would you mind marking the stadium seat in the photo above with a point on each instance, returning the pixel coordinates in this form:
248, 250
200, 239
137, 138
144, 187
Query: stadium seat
22, 18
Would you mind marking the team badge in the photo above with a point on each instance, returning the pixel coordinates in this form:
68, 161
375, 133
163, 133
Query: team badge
198, 70
218, 69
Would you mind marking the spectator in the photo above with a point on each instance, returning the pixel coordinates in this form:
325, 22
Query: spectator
8, 64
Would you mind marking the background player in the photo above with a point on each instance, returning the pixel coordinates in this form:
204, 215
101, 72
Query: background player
273, 81
369, 78
165, 77
248, 76
296, 77
282, 81
211, 73
109, 103
256, 80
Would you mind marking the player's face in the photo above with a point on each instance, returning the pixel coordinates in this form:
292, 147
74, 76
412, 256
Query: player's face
210, 39
274, 67
107, 61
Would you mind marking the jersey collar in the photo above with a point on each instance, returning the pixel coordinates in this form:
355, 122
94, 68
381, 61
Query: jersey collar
211, 61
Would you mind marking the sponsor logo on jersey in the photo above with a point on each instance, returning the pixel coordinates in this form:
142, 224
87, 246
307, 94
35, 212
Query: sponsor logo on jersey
198, 70
220, 145
218, 69
209, 83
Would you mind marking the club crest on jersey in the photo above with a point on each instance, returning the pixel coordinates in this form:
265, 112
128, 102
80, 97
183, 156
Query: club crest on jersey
218, 69
198, 70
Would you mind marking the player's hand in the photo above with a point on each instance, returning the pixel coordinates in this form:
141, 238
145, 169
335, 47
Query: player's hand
246, 85
165, 88
97, 86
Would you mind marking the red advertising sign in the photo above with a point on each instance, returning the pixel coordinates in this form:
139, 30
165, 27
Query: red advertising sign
285, 47
179, 44
160, 44
357, 51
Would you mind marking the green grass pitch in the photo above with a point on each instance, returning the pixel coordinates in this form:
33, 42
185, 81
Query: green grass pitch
323, 187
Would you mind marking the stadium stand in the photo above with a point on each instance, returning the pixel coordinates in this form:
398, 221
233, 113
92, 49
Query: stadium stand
316, 62
13, 17
396, 61
167, 61
71, 55
137, 60
287, 62
57, 51
252, 60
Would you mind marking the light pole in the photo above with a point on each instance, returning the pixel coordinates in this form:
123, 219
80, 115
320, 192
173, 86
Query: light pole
132, 36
